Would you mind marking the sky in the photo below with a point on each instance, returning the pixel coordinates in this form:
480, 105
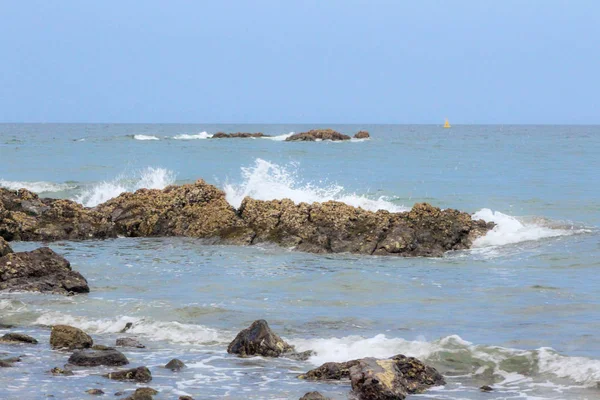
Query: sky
293, 61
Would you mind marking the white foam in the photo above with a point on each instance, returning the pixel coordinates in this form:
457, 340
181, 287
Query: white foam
269, 181
37, 187
149, 178
279, 138
201, 135
510, 230
579, 369
145, 137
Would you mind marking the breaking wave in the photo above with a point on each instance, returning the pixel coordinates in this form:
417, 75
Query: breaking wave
201, 135
37, 187
145, 137
279, 138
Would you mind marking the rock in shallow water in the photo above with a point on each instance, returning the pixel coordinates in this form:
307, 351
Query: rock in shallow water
259, 340
314, 396
69, 337
96, 392
139, 374
175, 365
60, 371
93, 358
129, 342
317, 134
17, 338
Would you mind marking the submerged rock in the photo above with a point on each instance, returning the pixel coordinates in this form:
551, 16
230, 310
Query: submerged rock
4, 247
314, 396
175, 365
259, 340
95, 391
69, 337
60, 371
362, 135
94, 358
317, 134
40, 270
139, 374
17, 338
129, 342
223, 135
8, 362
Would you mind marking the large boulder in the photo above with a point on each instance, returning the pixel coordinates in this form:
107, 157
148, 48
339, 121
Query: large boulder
40, 270
139, 374
15, 337
69, 337
259, 340
4, 247
93, 358
317, 134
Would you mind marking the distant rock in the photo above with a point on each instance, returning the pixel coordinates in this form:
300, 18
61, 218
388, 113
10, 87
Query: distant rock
175, 365
17, 338
129, 342
94, 358
317, 134
314, 396
362, 135
4, 247
222, 135
40, 270
69, 337
139, 374
259, 340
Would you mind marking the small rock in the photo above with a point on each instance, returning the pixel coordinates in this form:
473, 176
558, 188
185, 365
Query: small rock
175, 365
314, 396
95, 391
258, 339
17, 338
140, 374
128, 326
186, 398
362, 135
5, 364
145, 393
119, 393
93, 358
102, 347
486, 388
60, 371
129, 342
302, 356
68, 337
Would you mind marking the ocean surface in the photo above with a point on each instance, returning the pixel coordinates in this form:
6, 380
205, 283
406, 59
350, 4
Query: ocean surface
519, 312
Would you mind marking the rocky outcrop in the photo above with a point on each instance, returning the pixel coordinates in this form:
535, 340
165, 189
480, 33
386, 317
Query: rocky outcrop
94, 358
259, 340
4, 247
223, 135
175, 365
17, 338
69, 337
139, 374
362, 135
380, 379
317, 134
40, 270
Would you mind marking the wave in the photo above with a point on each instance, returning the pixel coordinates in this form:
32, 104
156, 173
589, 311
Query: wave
455, 356
269, 181
145, 137
37, 187
279, 138
148, 178
510, 230
184, 136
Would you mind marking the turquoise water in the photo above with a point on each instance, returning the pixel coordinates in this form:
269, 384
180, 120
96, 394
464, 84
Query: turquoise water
520, 312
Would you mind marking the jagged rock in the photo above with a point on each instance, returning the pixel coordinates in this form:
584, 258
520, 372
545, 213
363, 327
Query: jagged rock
175, 365
40, 270
486, 388
330, 371
314, 396
223, 135
68, 337
129, 342
139, 374
259, 340
93, 358
4, 247
95, 391
362, 135
317, 134
17, 338
24, 216
60, 371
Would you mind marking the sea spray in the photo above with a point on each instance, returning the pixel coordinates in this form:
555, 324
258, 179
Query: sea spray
37, 187
145, 137
185, 136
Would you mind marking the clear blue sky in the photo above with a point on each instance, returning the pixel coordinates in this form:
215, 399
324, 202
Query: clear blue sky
336, 61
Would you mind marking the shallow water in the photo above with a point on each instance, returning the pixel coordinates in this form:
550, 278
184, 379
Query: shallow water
519, 312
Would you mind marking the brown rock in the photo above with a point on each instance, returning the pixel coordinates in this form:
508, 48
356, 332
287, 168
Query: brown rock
362, 135
95, 391
68, 337
258, 339
223, 135
314, 396
330, 371
317, 134
139, 374
175, 365
4, 247
60, 371
486, 388
17, 338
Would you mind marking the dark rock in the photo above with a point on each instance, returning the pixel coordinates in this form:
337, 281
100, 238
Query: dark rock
95, 391
486, 388
68, 337
362, 135
60, 371
258, 340
186, 398
302, 356
129, 342
145, 393
12, 359
40, 270
127, 327
101, 347
8, 362
17, 338
330, 371
4, 247
175, 365
139, 374
314, 396
223, 135
93, 358
119, 393
317, 134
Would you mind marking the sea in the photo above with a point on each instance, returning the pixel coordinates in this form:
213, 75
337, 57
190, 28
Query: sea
519, 312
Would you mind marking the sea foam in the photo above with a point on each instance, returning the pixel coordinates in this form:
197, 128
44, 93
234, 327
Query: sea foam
145, 137
201, 135
37, 187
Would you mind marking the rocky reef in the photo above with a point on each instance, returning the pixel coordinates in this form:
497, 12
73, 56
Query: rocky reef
317, 134
223, 135
201, 210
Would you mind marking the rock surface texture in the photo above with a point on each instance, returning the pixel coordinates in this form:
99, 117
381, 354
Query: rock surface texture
223, 135
4, 247
139, 374
317, 134
69, 337
259, 340
94, 358
362, 135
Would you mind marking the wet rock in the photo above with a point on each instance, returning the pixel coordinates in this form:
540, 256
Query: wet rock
8, 362
330, 371
101, 347
314, 396
95, 391
317, 134
17, 338
486, 388
127, 327
40, 270
362, 135
145, 393
139, 374
119, 393
60, 371
258, 340
223, 135
4, 247
302, 356
175, 365
68, 337
186, 398
129, 342
93, 358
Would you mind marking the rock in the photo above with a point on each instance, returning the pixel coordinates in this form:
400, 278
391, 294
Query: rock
330, 371
4, 247
317, 134
17, 338
222, 135
129, 342
40, 270
258, 340
60, 371
145, 393
5, 364
486, 388
95, 391
68, 337
302, 356
186, 398
139, 374
127, 327
314, 396
175, 365
362, 135
101, 347
93, 358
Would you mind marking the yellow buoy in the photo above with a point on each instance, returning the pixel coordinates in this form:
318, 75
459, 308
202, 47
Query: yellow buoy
446, 124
